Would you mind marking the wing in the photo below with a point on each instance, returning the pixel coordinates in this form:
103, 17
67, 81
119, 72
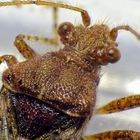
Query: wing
36, 119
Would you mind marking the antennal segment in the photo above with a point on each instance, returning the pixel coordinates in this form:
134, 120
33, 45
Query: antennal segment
84, 14
114, 31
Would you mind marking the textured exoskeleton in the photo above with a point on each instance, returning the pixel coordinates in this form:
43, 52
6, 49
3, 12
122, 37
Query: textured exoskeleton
53, 96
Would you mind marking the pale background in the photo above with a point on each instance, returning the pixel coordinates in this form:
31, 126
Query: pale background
118, 80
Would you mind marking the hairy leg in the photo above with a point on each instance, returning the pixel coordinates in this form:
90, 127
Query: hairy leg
26, 50
121, 104
9, 59
115, 135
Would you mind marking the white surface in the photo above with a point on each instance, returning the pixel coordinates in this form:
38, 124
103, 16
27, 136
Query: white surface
117, 79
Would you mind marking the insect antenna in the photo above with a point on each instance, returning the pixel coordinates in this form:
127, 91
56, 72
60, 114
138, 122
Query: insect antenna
84, 13
114, 31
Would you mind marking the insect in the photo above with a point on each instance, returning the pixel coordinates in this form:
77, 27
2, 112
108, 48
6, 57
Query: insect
52, 97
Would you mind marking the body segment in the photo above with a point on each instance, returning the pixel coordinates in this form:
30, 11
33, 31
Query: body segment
65, 85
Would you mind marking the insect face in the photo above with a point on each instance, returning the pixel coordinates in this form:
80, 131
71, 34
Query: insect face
95, 43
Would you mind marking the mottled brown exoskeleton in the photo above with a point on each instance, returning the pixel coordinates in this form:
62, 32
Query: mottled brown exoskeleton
52, 97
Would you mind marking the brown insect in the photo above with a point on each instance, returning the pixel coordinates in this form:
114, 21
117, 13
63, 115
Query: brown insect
52, 97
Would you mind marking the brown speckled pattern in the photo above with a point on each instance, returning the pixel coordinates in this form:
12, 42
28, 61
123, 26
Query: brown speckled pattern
66, 86
67, 81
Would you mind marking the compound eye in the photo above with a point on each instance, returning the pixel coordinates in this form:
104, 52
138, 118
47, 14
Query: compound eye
67, 34
65, 28
112, 54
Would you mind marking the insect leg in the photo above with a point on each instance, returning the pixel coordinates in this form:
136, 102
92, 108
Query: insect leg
25, 49
55, 25
121, 104
3, 123
114, 135
9, 59
4, 135
114, 31
4, 104
8, 128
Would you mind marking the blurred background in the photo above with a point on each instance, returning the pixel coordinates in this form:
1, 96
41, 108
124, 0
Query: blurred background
117, 80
